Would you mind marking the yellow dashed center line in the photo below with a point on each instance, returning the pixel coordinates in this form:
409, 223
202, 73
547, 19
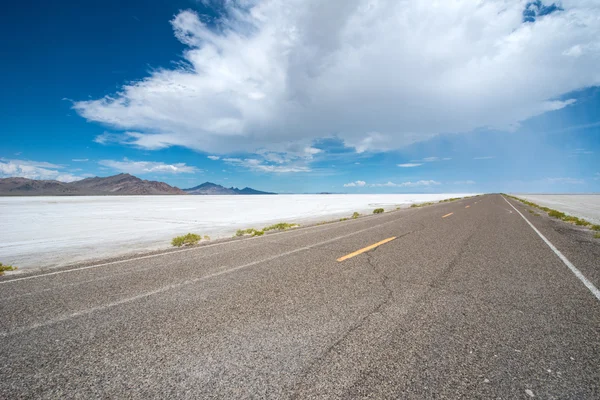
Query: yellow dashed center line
371, 247
447, 215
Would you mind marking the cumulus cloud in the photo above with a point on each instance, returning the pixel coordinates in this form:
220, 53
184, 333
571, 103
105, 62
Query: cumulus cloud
254, 164
409, 165
214, 158
355, 184
35, 170
146, 167
269, 73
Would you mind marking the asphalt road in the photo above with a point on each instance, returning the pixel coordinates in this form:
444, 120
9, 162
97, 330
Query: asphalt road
471, 305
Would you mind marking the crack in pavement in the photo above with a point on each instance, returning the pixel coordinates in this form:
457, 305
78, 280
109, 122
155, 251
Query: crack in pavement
383, 278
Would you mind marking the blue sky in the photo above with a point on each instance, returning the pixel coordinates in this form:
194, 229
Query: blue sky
306, 96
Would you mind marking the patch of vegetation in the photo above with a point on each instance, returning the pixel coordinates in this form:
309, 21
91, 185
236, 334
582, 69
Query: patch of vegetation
4, 268
343, 219
206, 237
595, 227
242, 232
557, 214
421, 205
596, 235
249, 231
282, 226
186, 240
355, 215
378, 211
450, 199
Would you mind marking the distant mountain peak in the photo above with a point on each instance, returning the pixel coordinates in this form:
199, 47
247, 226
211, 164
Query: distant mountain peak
121, 184
209, 188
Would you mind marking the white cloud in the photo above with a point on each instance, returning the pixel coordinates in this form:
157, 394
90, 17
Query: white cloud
406, 184
214, 158
259, 166
355, 184
274, 73
568, 181
430, 159
34, 170
484, 158
146, 167
409, 165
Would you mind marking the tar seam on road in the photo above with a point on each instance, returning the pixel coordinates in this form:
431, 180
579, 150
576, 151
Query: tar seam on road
365, 249
158, 255
560, 255
181, 284
447, 215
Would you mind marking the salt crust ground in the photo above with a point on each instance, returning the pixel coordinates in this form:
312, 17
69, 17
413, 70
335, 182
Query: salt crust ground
586, 206
52, 231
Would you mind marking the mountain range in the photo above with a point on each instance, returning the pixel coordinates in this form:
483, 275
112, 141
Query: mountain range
116, 185
209, 188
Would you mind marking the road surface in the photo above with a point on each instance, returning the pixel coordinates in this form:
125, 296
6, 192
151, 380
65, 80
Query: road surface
467, 301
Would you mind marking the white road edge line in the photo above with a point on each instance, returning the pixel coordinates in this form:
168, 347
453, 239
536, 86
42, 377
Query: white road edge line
180, 284
560, 255
64, 271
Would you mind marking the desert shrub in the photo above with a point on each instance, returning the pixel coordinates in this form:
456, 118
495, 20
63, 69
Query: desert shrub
378, 211
186, 240
595, 227
415, 205
4, 268
556, 214
355, 215
258, 233
243, 232
450, 199
596, 235
343, 219
282, 226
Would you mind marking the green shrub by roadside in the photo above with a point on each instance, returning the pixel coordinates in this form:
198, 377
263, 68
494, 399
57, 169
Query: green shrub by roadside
596, 235
378, 211
206, 237
450, 199
186, 240
281, 226
4, 268
355, 215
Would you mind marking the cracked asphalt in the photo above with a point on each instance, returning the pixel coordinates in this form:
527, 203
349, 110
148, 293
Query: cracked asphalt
474, 305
